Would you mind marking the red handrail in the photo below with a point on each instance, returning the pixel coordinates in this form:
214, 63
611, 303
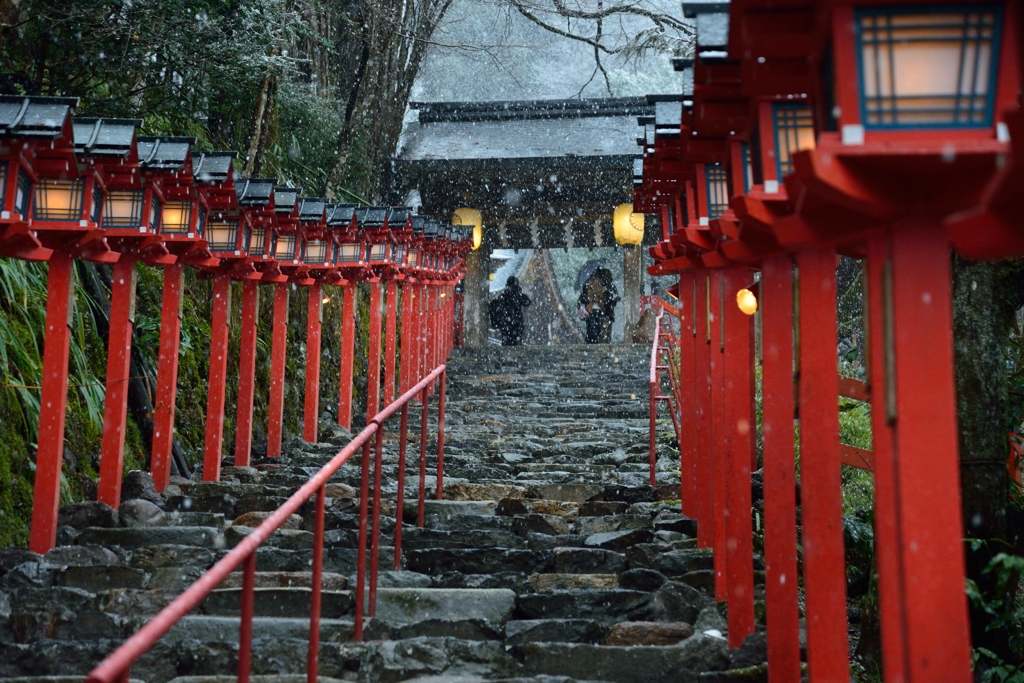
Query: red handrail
655, 378
117, 666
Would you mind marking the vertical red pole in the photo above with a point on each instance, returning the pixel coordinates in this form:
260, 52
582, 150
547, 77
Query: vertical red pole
313, 654
348, 345
314, 319
937, 637
378, 464
687, 408
390, 340
119, 358
440, 434
373, 354
246, 372
278, 357
424, 414
407, 340
53, 402
219, 329
878, 300
703, 380
364, 494
248, 604
821, 494
719, 432
740, 427
167, 377
403, 438
783, 611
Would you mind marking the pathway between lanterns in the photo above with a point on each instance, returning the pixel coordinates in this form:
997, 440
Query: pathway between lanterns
550, 555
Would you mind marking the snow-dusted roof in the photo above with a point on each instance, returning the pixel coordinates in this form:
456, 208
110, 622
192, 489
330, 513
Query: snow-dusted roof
522, 130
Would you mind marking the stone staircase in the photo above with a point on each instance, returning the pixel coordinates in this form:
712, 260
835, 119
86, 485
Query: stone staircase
550, 559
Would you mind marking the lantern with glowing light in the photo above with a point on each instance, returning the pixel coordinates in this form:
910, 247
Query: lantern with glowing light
629, 226
473, 219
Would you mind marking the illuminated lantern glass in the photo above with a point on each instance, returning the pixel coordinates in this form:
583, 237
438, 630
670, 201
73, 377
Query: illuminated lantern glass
470, 217
154, 214
412, 258
257, 242
316, 251
176, 218
794, 131
22, 195
284, 250
246, 239
399, 256
350, 252
379, 252
933, 68
718, 190
222, 235
629, 226
122, 209
59, 200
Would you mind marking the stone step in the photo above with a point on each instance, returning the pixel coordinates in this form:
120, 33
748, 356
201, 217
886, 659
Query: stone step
277, 602
609, 605
403, 606
225, 629
140, 537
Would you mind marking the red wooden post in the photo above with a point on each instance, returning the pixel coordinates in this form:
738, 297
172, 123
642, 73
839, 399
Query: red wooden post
313, 654
702, 382
821, 496
373, 353
364, 495
443, 383
119, 358
248, 604
403, 439
53, 401
424, 414
246, 372
278, 357
408, 339
378, 464
687, 408
390, 334
936, 642
783, 611
314, 319
718, 431
219, 329
739, 439
348, 345
167, 377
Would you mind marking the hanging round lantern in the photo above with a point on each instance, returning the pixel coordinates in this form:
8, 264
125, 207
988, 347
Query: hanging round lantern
629, 226
471, 217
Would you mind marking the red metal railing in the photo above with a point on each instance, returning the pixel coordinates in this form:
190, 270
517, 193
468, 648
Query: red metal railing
117, 666
663, 358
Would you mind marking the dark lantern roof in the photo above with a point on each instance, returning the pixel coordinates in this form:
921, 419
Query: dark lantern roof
104, 137
164, 153
41, 117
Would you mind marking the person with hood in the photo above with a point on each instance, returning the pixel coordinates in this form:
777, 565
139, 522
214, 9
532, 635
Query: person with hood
597, 306
507, 313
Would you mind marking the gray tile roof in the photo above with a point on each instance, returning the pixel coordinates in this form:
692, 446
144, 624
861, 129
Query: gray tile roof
341, 214
285, 198
371, 216
255, 191
213, 167
163, 153
312, 208
34, 116
104, 137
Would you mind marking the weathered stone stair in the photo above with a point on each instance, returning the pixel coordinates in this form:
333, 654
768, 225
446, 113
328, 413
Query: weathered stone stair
550, 559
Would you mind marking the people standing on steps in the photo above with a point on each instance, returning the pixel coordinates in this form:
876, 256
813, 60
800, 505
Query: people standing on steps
506, 313
597, 306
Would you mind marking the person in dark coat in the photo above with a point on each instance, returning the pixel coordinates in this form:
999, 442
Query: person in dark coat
507, 313
597, 306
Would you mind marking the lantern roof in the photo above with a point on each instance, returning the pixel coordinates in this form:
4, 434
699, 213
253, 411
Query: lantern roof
685, 66
371, 216
164, 153
213, 167
312, 208
668, 117
104, 137
255, 191
341, 214
638, 171
42, 117
418, 223
712, 22
398, 216
430, 229
286, 198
